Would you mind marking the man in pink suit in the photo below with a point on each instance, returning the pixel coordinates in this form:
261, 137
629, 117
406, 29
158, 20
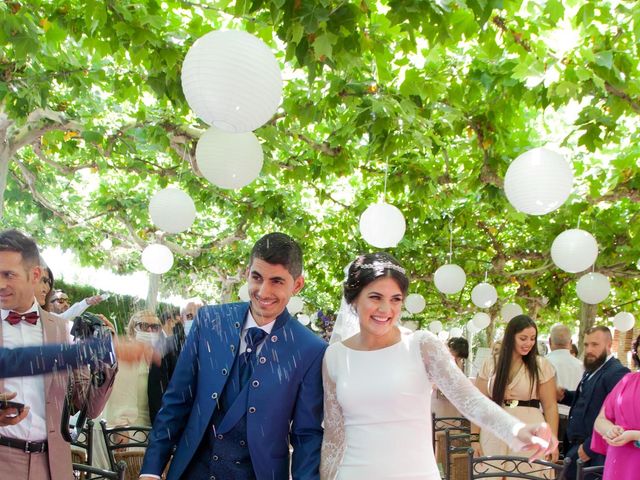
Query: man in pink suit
31, 445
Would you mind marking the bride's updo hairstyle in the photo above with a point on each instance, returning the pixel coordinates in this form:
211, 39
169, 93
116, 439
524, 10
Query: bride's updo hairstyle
370, 267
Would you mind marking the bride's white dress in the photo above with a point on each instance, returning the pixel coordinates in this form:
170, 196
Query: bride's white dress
378, 409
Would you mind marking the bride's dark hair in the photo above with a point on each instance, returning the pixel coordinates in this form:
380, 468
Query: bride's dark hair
369, 267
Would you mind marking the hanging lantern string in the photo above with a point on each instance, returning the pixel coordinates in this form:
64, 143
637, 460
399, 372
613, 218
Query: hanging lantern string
450, 239
578, 227
486, 275
386, 175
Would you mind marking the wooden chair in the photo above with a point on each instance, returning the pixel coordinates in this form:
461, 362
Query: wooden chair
126, 444
588, 473
82, 472
456, 445
504, 466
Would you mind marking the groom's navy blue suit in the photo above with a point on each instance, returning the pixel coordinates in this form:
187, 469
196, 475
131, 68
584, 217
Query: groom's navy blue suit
280, 405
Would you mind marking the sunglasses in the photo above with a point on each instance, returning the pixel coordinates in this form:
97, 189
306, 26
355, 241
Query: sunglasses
148, 327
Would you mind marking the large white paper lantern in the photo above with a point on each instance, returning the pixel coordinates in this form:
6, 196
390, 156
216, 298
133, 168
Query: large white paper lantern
172, 210
229, 160
455, 332
443, 335
574, 250
510, 310
593, 288
243, 293
415, 303
382, 225
435, 326
295, 305
481, 320
484, 295
231, 80
538, 181
471, 327
157, 258
304, 319
449, 278
624, 321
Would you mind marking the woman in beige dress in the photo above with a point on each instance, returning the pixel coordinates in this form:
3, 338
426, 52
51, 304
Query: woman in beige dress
521, 382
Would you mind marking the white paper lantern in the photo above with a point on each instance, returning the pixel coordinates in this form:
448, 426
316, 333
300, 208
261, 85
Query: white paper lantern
106, 244
624, 321
449, 278
243, 293
410, 324
539, 181
481, 320
471, 327
229, 160
304, 319
574, 250
455, 332
593, 288
157, 258
231, 80
435, 326
172, 210
382, 225
443, 335
415, 303
510, 310
295, 305
484, 295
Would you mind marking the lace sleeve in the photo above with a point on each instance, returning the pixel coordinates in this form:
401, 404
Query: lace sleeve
333, 440
443, 371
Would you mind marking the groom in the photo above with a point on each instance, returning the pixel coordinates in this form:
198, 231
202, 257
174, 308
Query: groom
247, 384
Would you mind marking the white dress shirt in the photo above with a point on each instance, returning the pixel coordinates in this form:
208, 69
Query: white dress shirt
30, 390
569, 372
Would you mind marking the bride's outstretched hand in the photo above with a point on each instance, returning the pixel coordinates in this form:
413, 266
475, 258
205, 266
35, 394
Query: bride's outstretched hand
538, 436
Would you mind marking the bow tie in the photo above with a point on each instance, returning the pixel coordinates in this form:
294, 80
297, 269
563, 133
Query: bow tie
14, 317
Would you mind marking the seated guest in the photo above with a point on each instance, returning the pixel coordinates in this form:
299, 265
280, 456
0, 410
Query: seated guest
617, 428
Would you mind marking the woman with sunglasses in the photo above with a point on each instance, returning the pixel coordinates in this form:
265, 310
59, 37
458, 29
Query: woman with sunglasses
129, 401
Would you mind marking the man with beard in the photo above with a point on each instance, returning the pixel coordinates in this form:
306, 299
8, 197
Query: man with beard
602, 373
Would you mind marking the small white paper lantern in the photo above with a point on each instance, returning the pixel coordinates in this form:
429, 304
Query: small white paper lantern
455, 332
157, 258
243, 293
106, 244
410, 324
449, 278
435, 326
382, 225
232, 80
484, 295
481, 320
624, 321
471, 327
415, 303
510, 310
304, 319
593, 288
295, 305
574, 250
538, 182
229, 160
443, 335
172, 210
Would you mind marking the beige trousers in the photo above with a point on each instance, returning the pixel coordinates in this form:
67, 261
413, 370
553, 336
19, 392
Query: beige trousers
17, 465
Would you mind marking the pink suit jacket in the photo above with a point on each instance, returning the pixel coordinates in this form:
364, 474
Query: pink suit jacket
55, 386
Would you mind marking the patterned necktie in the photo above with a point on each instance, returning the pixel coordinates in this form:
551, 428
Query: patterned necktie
14, 317
252, 338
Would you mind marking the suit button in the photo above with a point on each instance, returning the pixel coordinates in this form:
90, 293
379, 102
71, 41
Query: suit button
214, 458
252, 409
237, 324
212, 477
224, 371
214, 395
219, 436
255, 384
242, 443
233, 347
263, 360
274, 338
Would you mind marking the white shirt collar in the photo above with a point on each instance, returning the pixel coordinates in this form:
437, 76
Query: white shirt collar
34, 308
250, 322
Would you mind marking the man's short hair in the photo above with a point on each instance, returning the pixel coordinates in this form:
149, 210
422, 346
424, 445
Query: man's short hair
600, 328
279, 249
560, 335
16, 241
58, 295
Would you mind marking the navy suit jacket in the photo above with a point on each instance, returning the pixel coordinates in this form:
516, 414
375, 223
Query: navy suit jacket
43, 359
284, 401
594, 391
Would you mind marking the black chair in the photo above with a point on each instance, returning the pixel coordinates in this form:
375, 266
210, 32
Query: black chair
81, 472
126, 444
85, 443
440, 424
456, 445
504, 466
590, 473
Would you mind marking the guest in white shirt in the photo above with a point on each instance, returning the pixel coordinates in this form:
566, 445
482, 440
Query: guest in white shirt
569, 369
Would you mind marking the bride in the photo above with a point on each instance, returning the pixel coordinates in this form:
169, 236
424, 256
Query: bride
377, 386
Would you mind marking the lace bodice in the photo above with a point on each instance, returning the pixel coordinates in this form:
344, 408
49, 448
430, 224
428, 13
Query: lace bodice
425, 356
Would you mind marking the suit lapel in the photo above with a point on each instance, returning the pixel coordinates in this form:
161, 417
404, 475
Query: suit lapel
50, 335
1, 343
